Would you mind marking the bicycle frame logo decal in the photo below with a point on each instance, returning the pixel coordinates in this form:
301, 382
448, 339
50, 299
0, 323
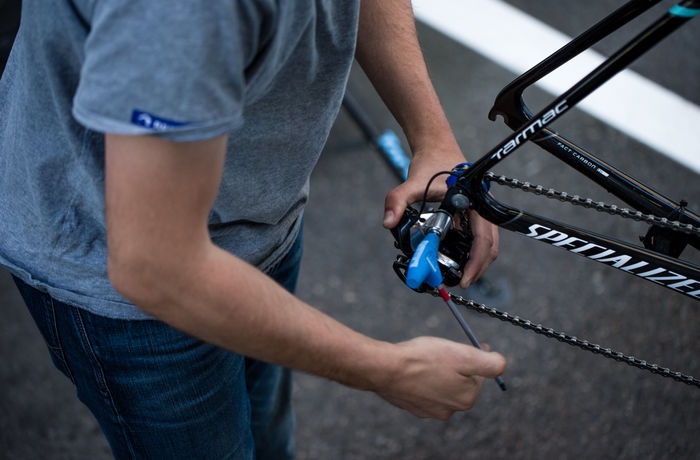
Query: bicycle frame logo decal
535, 126
624, 262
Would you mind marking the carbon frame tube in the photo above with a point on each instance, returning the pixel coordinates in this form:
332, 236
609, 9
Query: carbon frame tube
510, 105
614, 64
675, 274
667, 271
630, 190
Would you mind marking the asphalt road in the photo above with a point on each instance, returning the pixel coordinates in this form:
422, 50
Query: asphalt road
561, 402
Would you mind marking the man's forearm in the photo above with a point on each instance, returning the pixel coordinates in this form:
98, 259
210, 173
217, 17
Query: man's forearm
231, 304
389, 52
222, 299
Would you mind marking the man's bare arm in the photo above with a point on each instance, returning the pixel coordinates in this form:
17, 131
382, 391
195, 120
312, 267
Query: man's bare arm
389, 52
158, 196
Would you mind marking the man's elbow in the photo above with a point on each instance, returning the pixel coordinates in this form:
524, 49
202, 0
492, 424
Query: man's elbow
137, 279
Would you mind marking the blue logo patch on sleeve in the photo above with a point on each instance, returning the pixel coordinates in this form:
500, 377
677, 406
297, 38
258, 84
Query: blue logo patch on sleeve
150, 121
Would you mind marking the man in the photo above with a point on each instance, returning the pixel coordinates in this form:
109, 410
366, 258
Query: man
154, 165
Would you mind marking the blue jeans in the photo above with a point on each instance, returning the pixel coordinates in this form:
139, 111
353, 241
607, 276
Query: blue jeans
158, 393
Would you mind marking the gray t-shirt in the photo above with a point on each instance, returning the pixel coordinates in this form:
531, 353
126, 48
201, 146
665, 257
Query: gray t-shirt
271, 73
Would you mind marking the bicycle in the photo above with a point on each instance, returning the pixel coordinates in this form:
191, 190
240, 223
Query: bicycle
435, 249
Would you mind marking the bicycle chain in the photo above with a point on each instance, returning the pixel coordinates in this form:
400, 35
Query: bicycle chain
591, 204
572, 340
561, 336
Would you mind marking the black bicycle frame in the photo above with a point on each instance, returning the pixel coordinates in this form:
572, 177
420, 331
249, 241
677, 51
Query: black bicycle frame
662, 269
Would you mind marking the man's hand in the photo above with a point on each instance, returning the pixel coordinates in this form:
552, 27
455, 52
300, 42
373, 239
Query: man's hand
437, 377
485, 245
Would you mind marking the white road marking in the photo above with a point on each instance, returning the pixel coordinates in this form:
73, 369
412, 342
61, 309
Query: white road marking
629, 102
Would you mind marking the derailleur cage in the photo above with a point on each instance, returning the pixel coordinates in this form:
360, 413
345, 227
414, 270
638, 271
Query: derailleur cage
453, 251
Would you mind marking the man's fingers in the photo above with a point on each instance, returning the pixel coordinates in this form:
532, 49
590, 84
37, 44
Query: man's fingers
474, 267
394, 206
484, 249
483, 252
436, 377
487, 364
397, 200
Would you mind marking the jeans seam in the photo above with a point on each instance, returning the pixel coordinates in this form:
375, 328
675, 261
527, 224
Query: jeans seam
58, 350
101, 380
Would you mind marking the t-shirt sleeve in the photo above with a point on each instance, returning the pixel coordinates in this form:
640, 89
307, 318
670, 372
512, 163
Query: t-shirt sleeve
175, 69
